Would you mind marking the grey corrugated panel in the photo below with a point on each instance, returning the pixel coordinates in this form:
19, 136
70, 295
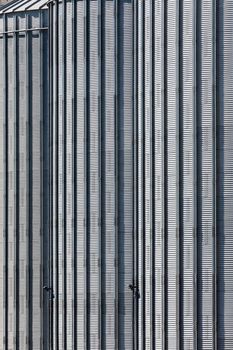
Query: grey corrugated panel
1, 191
80, 182
159, 173
109, 198
224, 177
172, 173
11, 189
99, 77
191, 187
188, 145
25, 102
60, 206
148, 171
69, 176
139, 23
205, 164
94, 175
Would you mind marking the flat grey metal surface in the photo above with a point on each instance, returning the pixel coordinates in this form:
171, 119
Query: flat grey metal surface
24, 179
92, 102
185, 118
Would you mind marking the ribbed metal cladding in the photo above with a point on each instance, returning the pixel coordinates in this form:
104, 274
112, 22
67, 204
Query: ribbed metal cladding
92, 116
184, 113
23, 177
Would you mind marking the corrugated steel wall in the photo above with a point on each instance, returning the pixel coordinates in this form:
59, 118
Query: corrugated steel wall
23, 179
184, 84
92, 109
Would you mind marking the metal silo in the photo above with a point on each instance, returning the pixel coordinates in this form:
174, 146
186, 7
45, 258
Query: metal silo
184, 81
23, 174
92, 109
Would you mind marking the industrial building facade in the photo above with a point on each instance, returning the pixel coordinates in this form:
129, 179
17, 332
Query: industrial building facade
116, 192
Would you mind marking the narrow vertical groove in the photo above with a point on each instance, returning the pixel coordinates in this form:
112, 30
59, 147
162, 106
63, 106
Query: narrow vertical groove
136, 232
116, 137
181, 345
216, 166
65, 178
51, 225
199, 184
29, 188
57, 335
195, 169
5, 234
17, 175
74, 169
87, 214
136, 177
143, 345
215, 109
178, 178
165, 177
100, 168
153, 222
103, 182
140, 171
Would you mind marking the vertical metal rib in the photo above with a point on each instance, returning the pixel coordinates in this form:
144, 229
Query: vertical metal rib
140, 172
56, 185
195, 170
116, 138
165, 173
64, 123
17, 153
100, 170
135, 180
86, 116
51, 226
29, 187
74, 170
5, 231
143, 290
216, 109
163, 168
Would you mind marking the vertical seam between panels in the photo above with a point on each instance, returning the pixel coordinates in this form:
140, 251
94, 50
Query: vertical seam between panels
87, 170
42, 182
50, 178
135, 143
74, 149
217, 113
165, 176
198, 183
214, 18
103, 180
178, 177
6, 190
57, 177
100, 168
135, 177
152, 175
143, 180
65, 181
29, 187
195, 170
116, 175
180, 174
17, 204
